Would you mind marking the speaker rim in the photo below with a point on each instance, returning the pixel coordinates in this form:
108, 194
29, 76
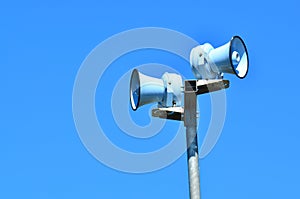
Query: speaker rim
246, 51
135, 73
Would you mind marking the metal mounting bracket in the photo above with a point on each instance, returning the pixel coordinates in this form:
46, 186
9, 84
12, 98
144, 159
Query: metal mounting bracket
197, 87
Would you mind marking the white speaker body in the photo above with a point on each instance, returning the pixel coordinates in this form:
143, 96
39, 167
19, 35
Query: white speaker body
145, 90
210, 63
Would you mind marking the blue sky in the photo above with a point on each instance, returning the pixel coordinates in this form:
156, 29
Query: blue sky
43, 44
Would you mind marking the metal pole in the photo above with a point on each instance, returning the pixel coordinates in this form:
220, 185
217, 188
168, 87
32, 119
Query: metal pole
192, 88
192, 153
190, 122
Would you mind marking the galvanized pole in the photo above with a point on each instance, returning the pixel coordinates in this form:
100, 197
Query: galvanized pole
190, 122
192, 88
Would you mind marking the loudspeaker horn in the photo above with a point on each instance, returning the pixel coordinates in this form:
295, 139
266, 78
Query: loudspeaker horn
230, 58
145, 90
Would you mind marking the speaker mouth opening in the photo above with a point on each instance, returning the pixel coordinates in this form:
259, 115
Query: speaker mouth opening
135, 90
238, 46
